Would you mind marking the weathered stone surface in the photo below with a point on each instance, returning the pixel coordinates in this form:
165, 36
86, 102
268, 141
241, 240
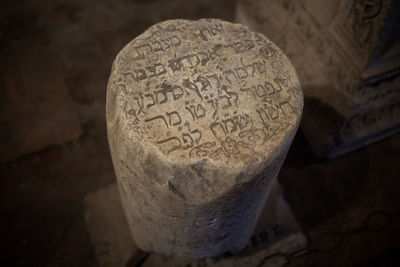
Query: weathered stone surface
347, 55
277, 231
200, 115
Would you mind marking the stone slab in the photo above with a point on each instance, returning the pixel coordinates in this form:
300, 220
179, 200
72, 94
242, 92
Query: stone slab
108, 228
277, 230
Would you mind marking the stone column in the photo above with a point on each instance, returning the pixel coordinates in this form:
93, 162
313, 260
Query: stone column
200, 116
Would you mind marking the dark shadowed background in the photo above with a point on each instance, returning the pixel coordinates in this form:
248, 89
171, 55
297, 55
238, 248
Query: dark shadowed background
56, 56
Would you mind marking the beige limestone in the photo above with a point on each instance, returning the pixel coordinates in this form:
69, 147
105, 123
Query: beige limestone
200, 115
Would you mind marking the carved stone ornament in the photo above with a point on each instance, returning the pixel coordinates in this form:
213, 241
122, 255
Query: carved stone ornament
200, 116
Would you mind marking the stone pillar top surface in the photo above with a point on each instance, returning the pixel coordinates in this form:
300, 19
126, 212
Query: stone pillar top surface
210, 90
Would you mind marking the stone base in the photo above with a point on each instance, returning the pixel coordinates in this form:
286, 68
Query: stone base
276, 231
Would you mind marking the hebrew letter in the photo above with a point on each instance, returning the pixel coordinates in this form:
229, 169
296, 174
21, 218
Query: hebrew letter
227, 100
260, 90
260, 66
226, 73
157, 46
239, 47
203, 35
195, 131
243, 121
163, 93
140, 74
249, 44
202, 112
241, 73
251, 89
204, 83
205, 58
217, 133
268, 86
177, 40
286, 103
263, 116
156, 70
169, 140
232, 127
152, 70
213, 53
166, 44
139, 101
192, 60
188, 84
247, 66
272, 111
176, 116
175, 64
281, 81
176, 95
187, 139
152, 99
215, 77
160, 69
143, 49
157, 118
192, 112
231, 94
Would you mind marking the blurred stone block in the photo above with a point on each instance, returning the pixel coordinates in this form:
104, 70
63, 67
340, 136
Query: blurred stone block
347, 54
276, 231
35, 109
108, 228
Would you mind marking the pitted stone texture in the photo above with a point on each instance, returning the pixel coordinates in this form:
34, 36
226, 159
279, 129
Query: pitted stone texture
200, 116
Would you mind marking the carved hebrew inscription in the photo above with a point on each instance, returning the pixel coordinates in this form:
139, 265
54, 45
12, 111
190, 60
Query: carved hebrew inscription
207, 89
